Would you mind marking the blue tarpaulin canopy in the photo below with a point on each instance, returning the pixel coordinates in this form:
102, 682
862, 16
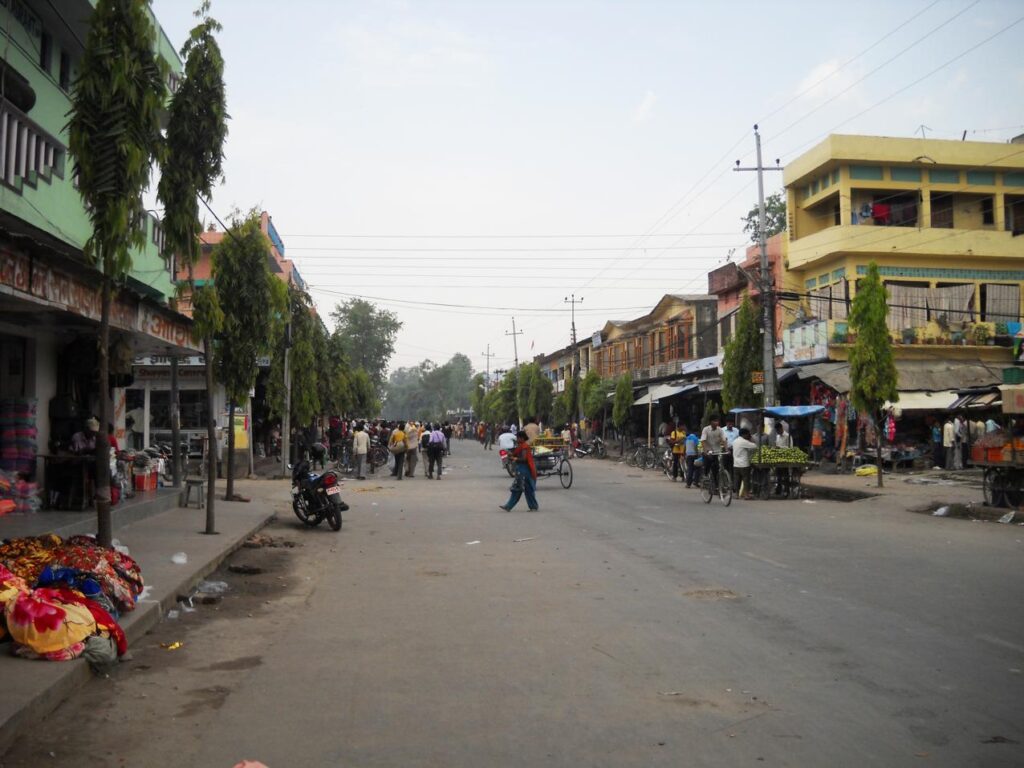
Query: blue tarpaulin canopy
784, 411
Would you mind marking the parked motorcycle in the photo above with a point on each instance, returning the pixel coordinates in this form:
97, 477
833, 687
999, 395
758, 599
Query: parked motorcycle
593, 447
317, 497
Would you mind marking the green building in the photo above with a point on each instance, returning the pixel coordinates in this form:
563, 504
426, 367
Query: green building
49, 293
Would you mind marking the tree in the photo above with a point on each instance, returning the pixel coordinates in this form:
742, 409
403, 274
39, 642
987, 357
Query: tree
711, 411
367, 335
192, 164
252, 301
774, 218
741, 359
477, 395
562, 411
873, 376
534, 393
594, 394
114, 135
622, 405
365, 401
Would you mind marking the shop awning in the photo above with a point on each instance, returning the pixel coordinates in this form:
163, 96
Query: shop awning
923, 401
1013, 398
915, 375
986, 398
784, 411
662, 391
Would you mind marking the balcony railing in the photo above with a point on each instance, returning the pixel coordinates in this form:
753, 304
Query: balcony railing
27, 152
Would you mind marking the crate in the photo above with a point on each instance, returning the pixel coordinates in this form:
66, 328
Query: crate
145, 481
995, 454
1013, 375
977, 453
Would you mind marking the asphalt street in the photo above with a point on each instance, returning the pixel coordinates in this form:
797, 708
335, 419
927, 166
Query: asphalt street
624, 624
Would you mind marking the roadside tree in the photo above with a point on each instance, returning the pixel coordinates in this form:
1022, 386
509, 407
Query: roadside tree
192, 164
623, 404
873, 376
114, 136
741, 358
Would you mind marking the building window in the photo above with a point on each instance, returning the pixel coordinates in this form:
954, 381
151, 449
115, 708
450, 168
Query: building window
905, 174
981, 178
65, 71
894, 210
939, 176
866, 172
942, 210
1001, 302
836, 216
46, 52
1013, 179
988, 215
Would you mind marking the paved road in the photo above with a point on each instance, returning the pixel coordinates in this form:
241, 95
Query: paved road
631, 625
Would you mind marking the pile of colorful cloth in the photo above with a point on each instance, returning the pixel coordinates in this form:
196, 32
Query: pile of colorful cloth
60, 599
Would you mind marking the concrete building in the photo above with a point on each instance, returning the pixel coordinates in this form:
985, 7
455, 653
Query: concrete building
942, 219
729, 283
49, 292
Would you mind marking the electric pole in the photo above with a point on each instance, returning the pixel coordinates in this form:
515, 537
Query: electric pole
766, 282
488, 354
573, 301
515, 346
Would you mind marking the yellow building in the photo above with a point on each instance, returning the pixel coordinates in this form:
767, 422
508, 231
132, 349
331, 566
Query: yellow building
942, 219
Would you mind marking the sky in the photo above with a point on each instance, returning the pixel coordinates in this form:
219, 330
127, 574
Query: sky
464, 163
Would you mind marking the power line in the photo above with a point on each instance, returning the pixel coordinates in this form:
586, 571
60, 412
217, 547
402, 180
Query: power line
493, 237
846, 63
907, 87
876, 69
494, 250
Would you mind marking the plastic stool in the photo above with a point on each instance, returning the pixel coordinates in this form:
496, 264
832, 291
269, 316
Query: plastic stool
200, 485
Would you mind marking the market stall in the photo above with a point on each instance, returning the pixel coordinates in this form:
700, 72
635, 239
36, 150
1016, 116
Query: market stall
1000, 453
779, 471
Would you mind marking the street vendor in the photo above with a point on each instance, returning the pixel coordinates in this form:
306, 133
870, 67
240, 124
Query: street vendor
84, 441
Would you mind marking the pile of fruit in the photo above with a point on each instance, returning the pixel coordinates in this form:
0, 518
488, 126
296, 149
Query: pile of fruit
766, 456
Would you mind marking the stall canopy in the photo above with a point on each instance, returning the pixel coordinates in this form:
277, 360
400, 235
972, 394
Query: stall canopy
988, 397
661, 391
915, 376
784, 411
1013, 398
923, 401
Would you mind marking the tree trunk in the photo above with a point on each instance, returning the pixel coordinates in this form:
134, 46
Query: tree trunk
229, 493
878, 447
211, 437
176, 467
104, 524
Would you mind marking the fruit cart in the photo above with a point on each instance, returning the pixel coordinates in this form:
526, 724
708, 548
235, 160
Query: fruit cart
778, 472
551, 457
1000, 455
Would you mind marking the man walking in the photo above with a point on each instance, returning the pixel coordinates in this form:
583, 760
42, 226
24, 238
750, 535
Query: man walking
360, 447
435, 451
412, 448
397, 445
677, 439
526, 476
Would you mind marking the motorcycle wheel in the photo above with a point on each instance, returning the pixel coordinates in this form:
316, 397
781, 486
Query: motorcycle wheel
334, 517
508, 468
301, 508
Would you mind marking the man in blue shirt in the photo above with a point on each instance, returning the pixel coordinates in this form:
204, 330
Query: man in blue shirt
692, 451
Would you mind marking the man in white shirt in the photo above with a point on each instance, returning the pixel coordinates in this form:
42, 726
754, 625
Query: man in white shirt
949, 441
731, 433
506, 440
360, 447
782, 437
742, 448
713, 441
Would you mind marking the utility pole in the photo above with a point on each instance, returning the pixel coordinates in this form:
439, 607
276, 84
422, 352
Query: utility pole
573, 301
766, 282
488, 354
515, 346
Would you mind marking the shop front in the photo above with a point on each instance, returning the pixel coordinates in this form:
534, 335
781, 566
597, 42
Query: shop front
50, 308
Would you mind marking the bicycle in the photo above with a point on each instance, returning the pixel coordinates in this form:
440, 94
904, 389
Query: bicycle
716, 483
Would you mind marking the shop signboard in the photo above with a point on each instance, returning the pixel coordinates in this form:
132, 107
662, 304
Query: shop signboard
807, 343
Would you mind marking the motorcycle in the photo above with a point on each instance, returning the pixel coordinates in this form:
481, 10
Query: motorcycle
594, 447
507, 462
317, 497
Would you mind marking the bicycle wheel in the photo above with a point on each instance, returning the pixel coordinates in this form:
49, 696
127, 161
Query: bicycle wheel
632, 457
650, 458
705, 489
725, 487
600, 450
989, 491
565, 473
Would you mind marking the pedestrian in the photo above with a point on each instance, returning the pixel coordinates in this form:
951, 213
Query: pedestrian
692, 451
937, 454
488, 438
959, 439
713, 442
412, 448
677, 439
446, 430
742, 447
526, 475
435, 451
782, 437
949, 441
397, 446
360, 447
532, 429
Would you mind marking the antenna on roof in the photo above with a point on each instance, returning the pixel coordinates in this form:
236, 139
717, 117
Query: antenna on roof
922, 129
